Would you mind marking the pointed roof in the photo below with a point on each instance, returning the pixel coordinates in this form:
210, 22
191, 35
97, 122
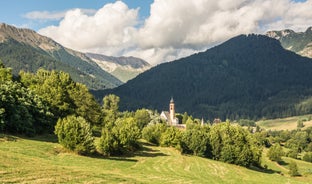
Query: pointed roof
171, 101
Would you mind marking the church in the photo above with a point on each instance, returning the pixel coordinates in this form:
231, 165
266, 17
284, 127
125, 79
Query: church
170, 117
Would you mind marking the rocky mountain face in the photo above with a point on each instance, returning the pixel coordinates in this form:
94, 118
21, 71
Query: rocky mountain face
24, 49
246, 77
299, 42
124, 68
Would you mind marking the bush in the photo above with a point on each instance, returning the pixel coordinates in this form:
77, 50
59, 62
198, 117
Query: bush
171, 137
75, 134
307, 157
120, 138
293, 169
275, 153
293, 153
152, 133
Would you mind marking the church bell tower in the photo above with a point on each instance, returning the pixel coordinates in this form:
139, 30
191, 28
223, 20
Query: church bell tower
172, 111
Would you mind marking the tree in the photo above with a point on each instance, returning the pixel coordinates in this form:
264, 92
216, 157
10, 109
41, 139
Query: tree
142, 118
195, 140
275, 153
152, 132
300, 124
171, 137
234, 144
184, 118
120, 138
74, 133
110, 110
85, 104
307, 157
293, 169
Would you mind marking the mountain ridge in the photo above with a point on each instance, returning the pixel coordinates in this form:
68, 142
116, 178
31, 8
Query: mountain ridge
299, 42
124, 68
24, 49
248, 76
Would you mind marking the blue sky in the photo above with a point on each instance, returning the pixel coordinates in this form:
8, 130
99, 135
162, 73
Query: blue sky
157, 31
13, 11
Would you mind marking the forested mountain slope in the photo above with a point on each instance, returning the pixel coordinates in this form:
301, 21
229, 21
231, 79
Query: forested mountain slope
24, 49
249, 76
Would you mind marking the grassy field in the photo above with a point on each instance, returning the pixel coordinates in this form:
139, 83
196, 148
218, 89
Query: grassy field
289, 123
42, 161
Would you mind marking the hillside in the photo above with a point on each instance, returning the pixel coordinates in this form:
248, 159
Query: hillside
246, 77
24, 49
289, 123
42, 161
299, 42
123, 68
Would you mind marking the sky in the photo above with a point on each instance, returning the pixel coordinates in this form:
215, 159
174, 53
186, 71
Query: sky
154, 30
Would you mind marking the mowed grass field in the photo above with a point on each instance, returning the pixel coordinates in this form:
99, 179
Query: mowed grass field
289, 123
40, 161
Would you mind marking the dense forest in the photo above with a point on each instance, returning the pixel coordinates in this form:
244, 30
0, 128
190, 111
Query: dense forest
249, 76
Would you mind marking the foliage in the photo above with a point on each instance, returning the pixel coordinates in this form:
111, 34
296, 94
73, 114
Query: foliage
142, 118
74, 133
300, 124
171, 137
65, 96
195, 140
110, 110
120, 138
307, 157
293, 153
22, 111
153, 132
293, 169
275, 153
233, 144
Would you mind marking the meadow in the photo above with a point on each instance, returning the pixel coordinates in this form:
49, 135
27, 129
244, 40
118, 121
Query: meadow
289, 123
43, 160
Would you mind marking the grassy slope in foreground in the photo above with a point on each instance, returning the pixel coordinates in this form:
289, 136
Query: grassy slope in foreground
289, 123
32, 161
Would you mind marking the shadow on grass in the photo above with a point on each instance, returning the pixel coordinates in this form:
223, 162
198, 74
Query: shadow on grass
148, 152
4, 137
264, 170
44, 138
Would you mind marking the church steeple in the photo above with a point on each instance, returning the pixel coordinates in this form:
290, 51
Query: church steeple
172, 111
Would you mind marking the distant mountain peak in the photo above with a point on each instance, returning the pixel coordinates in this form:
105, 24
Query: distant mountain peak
24, 49
124, 68
27, 36
299, 42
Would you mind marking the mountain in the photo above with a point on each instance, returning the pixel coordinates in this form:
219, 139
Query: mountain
123, 68
24, 49
249, 76
300, 42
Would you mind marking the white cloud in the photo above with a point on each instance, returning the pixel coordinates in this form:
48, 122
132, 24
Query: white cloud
47, 15
175, 29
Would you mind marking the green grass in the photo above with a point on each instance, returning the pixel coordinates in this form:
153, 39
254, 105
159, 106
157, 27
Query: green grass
289, 123
43, 161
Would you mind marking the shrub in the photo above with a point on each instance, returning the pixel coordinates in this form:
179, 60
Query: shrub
275, 153
75, 134
152, 133
307, 157
120, 138
293, 169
